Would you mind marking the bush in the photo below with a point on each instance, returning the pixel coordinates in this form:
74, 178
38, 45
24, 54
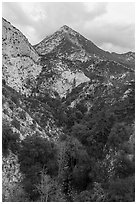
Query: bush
84, 196
81, 132
118, 135
122, 190
80, 176
15, 99
22, 115
124, 167
16, 123
81, 107
14, 193
10, 140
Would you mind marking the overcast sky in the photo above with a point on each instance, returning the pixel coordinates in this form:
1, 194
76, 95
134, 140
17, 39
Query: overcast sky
110, 26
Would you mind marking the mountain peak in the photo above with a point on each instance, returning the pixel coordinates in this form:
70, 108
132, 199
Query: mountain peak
66, 28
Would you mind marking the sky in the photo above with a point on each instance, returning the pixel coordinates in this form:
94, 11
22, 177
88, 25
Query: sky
111, 26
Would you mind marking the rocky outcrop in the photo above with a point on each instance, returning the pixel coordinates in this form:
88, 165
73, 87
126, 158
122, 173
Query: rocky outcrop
19, 59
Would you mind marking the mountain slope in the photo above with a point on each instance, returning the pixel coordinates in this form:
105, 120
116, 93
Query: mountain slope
78, 47
68, 107
23, 114
68, 59
19, 59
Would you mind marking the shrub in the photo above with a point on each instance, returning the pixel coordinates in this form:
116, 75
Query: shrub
124, 167
10, 140
14, 193
14, 98
23, 115
16, 123
81, 132
118, 135
122, 190
81, 107
84, 196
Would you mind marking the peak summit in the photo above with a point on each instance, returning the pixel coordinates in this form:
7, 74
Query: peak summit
66, 28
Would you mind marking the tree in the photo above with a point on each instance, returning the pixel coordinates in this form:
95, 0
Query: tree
35, 153
81, 132
123, 166
45, 186
118, 135
81, 107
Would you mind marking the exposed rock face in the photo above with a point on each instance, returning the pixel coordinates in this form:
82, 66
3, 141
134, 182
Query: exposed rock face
60, 77
20, 60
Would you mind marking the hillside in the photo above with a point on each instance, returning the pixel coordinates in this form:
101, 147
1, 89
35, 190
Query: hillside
68, 59
68, 119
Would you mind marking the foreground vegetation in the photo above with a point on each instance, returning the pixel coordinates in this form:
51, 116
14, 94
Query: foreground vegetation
93, 160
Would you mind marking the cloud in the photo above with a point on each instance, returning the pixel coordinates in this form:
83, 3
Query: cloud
109, 25
117, 35
46, 18
14, 12
96, 9
114, 31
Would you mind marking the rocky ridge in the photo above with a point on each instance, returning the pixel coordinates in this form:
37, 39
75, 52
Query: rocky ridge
69, 59
19, 59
